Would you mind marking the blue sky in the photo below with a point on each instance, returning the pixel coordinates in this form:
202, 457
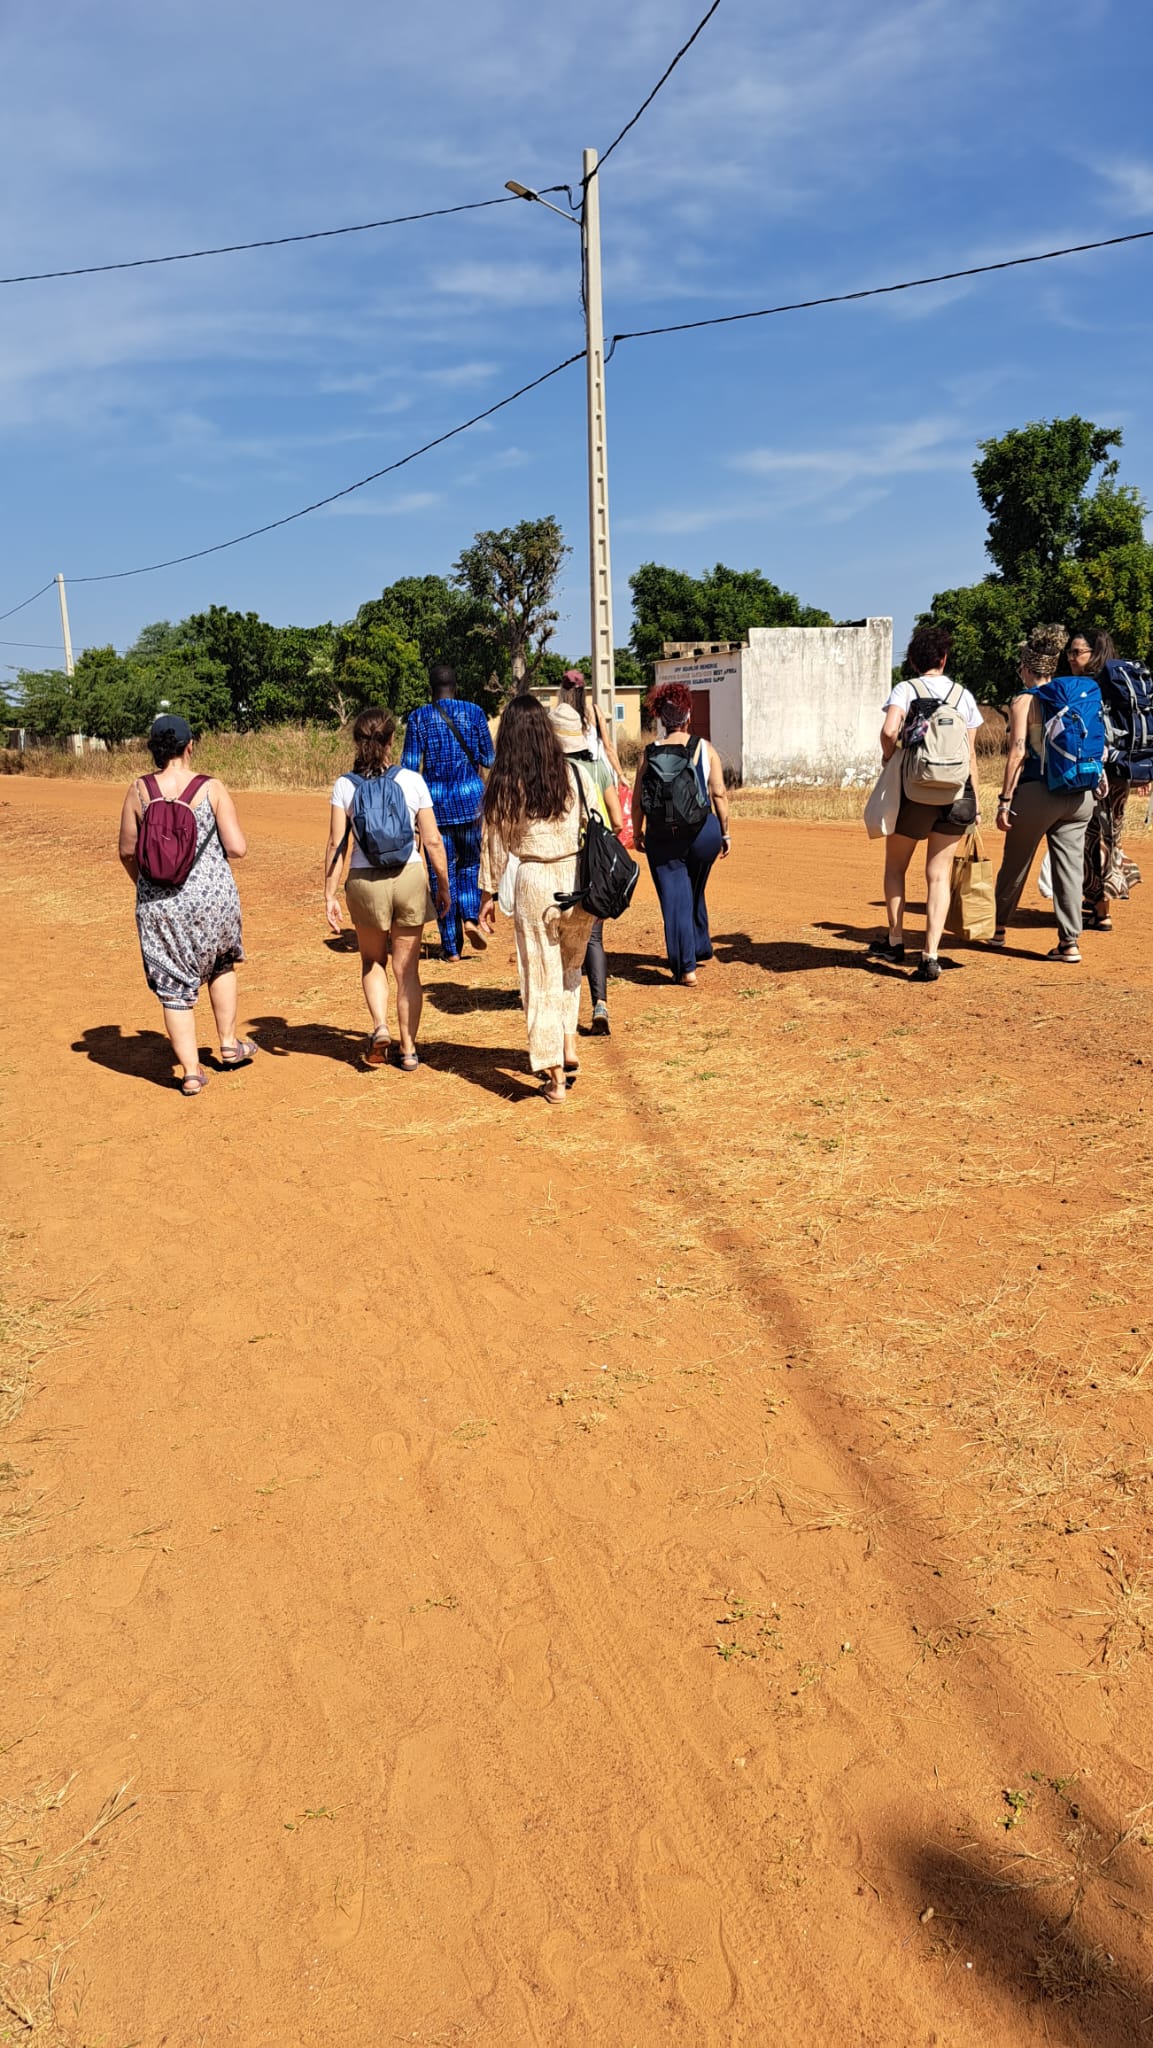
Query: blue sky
799, 149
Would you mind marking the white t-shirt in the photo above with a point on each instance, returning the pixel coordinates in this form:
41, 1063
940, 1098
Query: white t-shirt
902, 695
415, 791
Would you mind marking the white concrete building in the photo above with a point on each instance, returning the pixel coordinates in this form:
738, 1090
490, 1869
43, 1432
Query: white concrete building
797, 703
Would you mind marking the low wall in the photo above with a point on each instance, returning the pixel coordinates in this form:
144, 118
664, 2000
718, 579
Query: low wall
811, 701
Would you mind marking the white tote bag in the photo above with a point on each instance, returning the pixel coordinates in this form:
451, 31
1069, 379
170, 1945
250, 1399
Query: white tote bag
885, 799
506, 894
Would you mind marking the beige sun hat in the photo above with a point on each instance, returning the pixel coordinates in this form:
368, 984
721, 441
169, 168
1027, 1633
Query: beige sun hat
568, 729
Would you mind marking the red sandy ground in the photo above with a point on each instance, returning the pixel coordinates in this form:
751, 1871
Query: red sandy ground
593, 1576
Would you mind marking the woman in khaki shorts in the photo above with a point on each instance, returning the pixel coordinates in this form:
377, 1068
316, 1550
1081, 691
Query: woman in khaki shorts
389, 907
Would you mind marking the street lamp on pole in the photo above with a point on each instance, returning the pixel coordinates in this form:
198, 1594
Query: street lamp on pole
600, 564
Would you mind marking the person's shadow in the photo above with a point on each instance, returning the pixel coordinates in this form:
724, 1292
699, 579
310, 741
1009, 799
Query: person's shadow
797, 956
481, 1065
143, 1056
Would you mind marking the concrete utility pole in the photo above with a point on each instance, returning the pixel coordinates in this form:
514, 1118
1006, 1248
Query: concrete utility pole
600, 562
69, 665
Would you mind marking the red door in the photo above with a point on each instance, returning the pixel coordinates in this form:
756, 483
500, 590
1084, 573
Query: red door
703, 714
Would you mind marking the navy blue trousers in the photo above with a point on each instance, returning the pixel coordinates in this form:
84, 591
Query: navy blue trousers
680, 873
462, 852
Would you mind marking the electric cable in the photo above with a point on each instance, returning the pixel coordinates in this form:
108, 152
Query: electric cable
877, 291
49, 645
197, 554
28, 600
363, 227
662, 80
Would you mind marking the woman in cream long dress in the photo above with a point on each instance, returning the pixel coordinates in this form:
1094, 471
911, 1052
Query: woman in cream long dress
532, 810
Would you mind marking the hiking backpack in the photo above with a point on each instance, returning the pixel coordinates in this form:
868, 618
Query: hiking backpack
381, 820
935, 749
671, 791
1073, 733
606, 874
1127, 697
166, 849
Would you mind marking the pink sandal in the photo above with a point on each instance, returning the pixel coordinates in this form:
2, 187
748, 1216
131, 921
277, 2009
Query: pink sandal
195, 1084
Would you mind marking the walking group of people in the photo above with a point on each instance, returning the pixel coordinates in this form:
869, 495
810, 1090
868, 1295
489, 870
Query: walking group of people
462, 826
1080, 743
458, 828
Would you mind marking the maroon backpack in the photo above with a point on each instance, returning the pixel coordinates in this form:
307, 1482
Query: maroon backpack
166, 850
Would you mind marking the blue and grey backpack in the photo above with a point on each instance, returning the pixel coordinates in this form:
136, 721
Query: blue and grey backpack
1073, 736
381, 820
1127, 693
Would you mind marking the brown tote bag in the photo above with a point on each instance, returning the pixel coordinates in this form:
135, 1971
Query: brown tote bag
972, 904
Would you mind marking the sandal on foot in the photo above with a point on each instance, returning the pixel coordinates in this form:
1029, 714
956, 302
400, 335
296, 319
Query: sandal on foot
377, 1050
239, 1053
553, 1096
194, 1084
408, 1062
997, 940
1069, 956
476, 937
1098, 921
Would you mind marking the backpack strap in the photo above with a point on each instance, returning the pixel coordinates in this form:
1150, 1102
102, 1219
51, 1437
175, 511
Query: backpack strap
189, 795
153, 787
356, 781
458, 736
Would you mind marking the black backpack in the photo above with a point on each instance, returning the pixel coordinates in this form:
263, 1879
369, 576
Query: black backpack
1127, 697
670, 793
606, 874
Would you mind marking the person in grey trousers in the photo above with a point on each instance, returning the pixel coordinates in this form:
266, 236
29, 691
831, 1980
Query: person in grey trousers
1029, 811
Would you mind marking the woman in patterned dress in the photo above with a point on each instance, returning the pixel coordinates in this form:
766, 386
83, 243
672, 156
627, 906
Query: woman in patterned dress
532, 810
190, 935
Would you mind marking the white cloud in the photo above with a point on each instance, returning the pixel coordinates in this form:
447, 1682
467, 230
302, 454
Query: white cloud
509, 284
1130, 183
926, 444
360, 507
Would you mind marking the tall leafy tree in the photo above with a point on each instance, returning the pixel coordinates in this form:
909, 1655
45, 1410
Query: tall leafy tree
513, 574
445, 624
373, 664
1060, 551
669, 604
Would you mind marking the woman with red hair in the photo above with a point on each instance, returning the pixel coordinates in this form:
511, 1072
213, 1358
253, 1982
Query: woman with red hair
681, 819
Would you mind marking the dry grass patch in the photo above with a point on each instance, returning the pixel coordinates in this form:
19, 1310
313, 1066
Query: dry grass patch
46, 1901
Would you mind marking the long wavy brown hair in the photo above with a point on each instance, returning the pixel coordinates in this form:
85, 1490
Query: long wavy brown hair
529, 777
372, 738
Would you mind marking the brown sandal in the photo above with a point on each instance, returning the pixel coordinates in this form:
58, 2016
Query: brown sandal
240, 1052
377, 1050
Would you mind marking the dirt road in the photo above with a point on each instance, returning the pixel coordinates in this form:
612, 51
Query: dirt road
583, 1577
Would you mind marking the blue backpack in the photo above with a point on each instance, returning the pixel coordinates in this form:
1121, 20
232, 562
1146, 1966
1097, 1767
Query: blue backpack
1073, 738
381, 820
1127, 691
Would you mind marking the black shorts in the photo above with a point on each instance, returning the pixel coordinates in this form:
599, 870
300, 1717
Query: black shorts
919, 821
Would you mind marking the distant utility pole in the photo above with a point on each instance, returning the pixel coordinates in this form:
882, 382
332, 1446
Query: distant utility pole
600, 564
69, 665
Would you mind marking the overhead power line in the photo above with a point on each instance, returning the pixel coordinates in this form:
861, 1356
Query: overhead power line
48, 644
878, 291
363, 227
197, 554
662, 80
635, 334
25, 602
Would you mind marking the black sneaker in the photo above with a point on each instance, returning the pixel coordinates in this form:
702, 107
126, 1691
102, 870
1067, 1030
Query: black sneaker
882, 950
929, 969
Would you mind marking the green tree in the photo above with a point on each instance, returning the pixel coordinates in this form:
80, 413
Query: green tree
1060, 552
1031, 482
512, 575
373, 664
445, 624
669, 604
